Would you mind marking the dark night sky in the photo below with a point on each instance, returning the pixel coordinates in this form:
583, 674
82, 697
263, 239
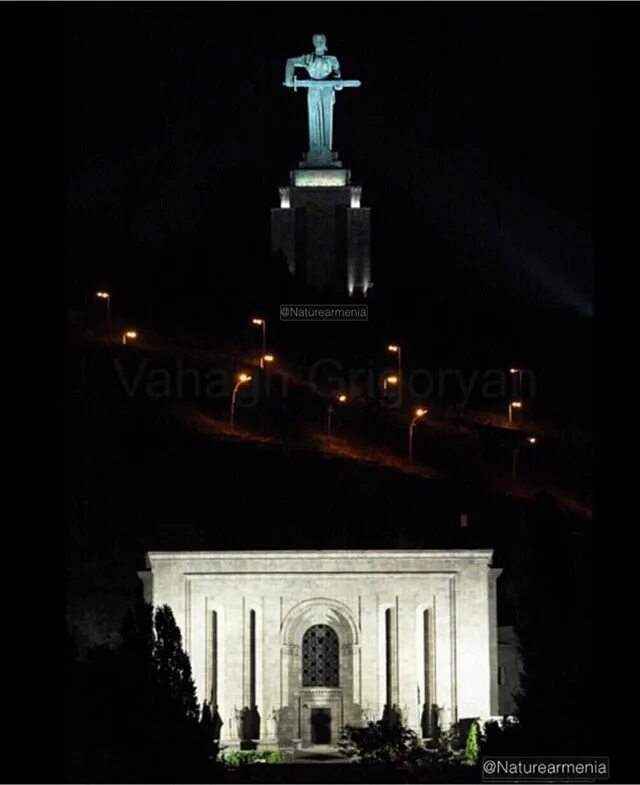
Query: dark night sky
472, 137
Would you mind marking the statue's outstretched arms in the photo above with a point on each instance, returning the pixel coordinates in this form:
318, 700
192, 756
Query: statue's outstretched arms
292, 64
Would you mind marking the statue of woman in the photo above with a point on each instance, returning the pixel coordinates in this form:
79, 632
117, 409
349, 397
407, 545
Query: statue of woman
320, 98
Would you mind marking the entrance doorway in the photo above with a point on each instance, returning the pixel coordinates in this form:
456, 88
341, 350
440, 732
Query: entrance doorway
321, 726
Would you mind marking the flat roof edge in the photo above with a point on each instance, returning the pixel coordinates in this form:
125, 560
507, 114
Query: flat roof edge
480, 553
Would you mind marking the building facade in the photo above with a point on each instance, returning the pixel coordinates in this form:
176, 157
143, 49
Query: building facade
305, 642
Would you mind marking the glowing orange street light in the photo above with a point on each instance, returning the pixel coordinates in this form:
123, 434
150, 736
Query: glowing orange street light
513, 405
342, 398
242, 379
416, 416
267, 358
260, 322
107, 298
530, 440
395, 349
389, 381
129, 335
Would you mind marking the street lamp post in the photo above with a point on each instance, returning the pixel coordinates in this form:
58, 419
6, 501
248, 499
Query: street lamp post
513, 405
397, 350
518, 372
389, 381
417, 415
259, 322
129, 335
531, 440
242, 378
340, 399
106, 296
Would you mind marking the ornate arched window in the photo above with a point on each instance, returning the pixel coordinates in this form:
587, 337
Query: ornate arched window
320, 657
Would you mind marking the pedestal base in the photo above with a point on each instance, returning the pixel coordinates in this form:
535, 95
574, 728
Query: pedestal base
320, 159
323, 232
320, 178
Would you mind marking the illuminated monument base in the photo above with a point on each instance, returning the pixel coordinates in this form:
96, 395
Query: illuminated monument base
323, 232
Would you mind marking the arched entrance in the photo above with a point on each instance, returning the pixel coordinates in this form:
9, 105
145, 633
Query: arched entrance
320, 659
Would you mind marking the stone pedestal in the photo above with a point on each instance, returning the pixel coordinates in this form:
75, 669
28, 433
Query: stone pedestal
323, 232
319, 158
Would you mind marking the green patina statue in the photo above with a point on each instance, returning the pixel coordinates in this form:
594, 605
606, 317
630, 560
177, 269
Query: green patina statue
324, 71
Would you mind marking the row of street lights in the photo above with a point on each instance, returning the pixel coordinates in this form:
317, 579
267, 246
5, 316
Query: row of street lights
127, 335
419, 413
394, 380
264, 356
513, 404
389, 381
341, 398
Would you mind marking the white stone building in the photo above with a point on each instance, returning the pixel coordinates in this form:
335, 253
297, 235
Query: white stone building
319, 639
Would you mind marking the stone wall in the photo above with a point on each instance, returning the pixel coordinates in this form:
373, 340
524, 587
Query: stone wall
350, 591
